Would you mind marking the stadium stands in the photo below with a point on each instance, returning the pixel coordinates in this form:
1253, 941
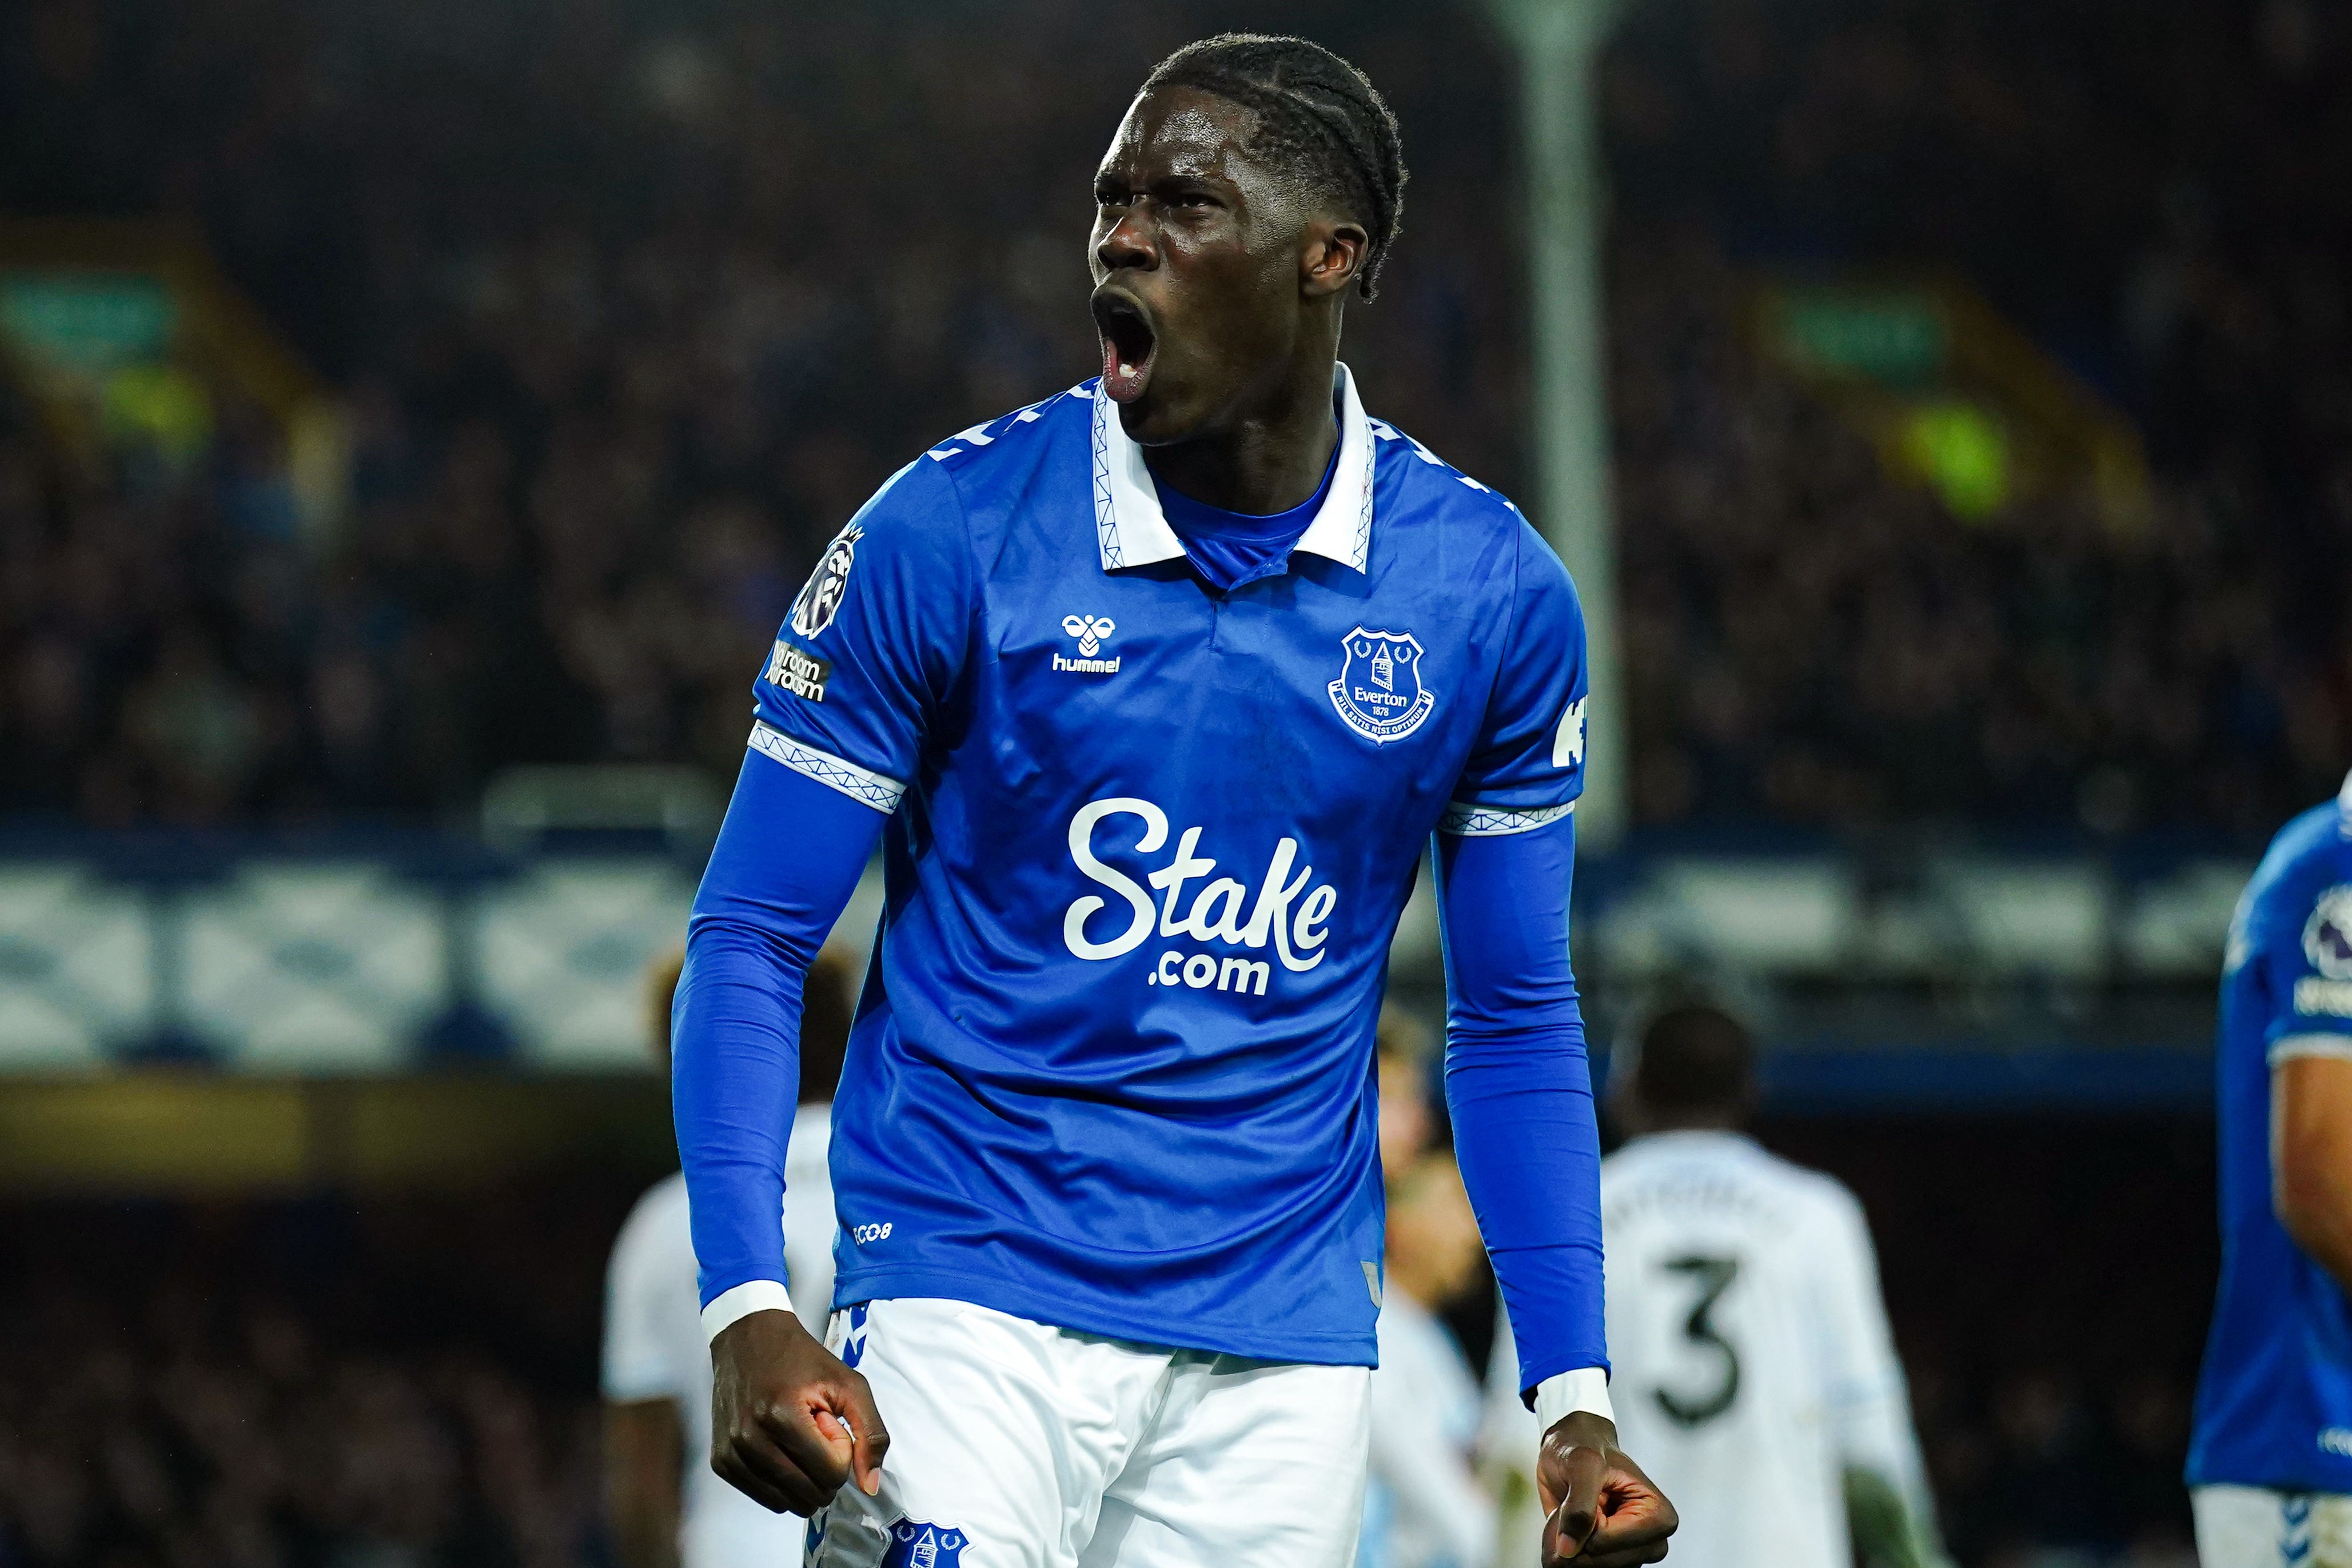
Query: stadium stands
626, 335
407, 1379
304, 1385
628, 306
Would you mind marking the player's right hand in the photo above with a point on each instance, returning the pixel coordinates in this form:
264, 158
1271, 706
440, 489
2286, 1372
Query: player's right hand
789, 1423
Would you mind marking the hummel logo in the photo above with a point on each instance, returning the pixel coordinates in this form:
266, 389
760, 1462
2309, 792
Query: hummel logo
1091, 631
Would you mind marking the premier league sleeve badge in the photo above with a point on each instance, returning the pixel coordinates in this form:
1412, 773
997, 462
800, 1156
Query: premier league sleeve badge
820, 601
1378, 693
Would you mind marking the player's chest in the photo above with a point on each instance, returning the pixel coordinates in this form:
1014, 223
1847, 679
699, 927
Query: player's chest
1302, 680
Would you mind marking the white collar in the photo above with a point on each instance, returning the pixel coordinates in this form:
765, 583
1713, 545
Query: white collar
1130, 530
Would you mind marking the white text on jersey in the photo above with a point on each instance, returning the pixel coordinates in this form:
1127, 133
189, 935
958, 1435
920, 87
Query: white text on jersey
1297, 924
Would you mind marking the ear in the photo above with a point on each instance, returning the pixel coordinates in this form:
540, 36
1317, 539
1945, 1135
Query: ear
1327, 261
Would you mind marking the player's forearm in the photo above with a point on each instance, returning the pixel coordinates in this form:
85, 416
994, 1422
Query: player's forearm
734, 1086
786, 861
1520, 1091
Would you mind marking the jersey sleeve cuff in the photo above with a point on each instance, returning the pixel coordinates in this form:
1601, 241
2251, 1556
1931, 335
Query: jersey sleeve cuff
1566, 1393
2317, 1043
1469, 820
860, 784
729, 1307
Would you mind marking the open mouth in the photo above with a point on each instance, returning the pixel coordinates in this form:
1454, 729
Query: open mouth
1128, 345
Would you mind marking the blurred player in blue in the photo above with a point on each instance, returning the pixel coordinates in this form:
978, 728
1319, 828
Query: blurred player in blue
1153, 694
2270, 1466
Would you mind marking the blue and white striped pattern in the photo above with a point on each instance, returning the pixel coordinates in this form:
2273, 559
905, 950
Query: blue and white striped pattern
861, 786
1468, 819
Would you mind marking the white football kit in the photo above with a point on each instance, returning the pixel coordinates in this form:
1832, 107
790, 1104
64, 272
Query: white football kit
1425, 1508
655, 1347
1059, 1449
2257, 1527
1752, 1362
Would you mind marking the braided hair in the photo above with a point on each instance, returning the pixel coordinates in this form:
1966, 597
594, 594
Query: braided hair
1317, 114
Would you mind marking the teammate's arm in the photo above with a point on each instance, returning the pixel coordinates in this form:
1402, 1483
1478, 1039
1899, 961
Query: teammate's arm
2311, 1147
2292, 944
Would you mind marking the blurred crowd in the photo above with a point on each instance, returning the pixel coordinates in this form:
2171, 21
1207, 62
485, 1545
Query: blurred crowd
2050, 1315
631, 315
410, 1381
2053, 1417
631, 307
2155, 200
301, 1386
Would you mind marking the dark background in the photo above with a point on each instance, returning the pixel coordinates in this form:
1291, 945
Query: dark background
633, 304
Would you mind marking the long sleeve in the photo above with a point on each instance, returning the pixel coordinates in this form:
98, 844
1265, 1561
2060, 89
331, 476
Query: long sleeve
788, 857
1520, 1091
841, 710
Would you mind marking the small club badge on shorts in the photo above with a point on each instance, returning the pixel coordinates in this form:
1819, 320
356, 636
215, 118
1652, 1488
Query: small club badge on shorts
1378, 693
916, 1545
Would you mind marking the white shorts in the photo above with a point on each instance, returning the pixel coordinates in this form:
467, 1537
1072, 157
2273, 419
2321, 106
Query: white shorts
1013, 1445
2254, 1526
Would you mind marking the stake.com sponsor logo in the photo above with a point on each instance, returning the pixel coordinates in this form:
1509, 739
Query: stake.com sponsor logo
1285, 911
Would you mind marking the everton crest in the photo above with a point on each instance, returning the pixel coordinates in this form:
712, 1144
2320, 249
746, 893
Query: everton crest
1379, 692
820, 601
915, 1544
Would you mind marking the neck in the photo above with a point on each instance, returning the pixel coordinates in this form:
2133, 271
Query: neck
1267, 459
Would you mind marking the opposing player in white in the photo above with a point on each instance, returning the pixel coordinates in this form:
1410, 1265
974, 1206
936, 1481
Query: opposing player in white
1754, 1372
667, 1507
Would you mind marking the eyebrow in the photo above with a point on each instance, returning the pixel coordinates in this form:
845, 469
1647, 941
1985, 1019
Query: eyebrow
1215, 183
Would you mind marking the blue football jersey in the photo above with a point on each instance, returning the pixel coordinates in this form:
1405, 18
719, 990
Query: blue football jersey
1148, 846
2274, 1406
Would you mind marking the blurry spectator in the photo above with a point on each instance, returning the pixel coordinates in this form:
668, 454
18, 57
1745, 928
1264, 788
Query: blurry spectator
1403, 1051
219, 1424
1425, 1507
620, 361
666, 1506
2149, 1420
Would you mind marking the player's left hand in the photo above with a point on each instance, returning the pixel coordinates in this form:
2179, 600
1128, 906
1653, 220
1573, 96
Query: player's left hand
1600, 1510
